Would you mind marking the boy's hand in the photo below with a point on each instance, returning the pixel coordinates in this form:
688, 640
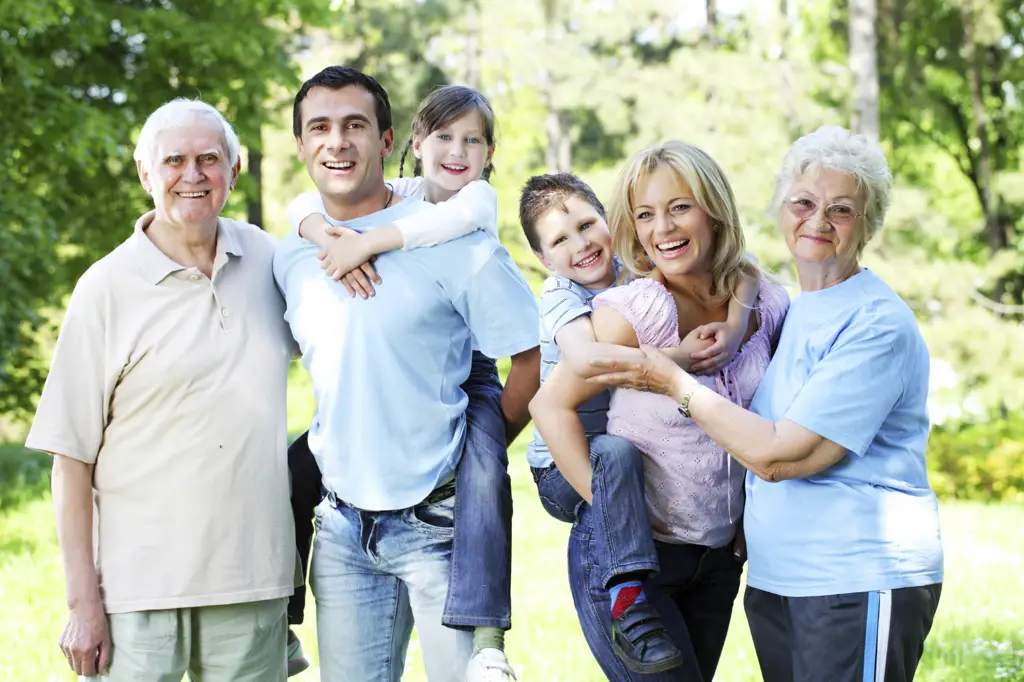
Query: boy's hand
683, 354
727, 339
347, 259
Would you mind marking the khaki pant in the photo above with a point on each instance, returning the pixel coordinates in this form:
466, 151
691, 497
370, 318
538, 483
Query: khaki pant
231, 643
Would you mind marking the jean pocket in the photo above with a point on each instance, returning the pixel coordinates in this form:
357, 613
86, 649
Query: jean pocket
556, 510
435, 519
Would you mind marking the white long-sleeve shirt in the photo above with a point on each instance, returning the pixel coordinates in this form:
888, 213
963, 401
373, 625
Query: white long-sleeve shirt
474, 207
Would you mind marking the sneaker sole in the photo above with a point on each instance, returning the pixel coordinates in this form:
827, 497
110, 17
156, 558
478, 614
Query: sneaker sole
645, 668
296, 666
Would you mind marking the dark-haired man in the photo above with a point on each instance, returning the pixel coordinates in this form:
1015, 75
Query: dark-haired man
386, 372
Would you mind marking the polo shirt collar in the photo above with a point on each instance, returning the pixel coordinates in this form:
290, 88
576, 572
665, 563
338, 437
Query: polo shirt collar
155, 265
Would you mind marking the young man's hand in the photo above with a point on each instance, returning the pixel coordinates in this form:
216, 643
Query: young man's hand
347, 259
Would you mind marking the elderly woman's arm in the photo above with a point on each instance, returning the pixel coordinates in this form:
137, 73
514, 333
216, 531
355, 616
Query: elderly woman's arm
773, 451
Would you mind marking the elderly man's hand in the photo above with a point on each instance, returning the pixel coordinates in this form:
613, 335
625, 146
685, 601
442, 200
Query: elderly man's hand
86, 639
655, 373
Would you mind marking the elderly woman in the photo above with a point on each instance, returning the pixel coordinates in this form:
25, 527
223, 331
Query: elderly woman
165, 412
842, 528
675, 226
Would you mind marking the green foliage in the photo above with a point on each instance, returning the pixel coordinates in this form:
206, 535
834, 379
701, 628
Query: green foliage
978, 461
76, 79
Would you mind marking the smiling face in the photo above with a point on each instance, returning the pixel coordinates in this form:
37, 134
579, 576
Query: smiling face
575, 243
341, 144
673, 230
455, 154
191, 174
810, 236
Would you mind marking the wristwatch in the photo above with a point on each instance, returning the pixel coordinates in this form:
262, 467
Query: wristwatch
684, 404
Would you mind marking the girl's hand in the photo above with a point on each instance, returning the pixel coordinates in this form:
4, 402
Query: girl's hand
348, 260
727, 339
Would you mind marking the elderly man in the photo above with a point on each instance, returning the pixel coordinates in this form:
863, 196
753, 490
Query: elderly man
165, 412
390, 422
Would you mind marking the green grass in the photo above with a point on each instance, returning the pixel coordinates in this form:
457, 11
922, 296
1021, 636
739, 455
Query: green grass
978, 634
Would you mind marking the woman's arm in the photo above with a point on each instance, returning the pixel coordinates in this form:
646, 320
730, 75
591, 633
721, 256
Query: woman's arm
554, 407
773, 451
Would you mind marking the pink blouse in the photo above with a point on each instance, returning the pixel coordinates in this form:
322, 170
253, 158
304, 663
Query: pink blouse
694, 489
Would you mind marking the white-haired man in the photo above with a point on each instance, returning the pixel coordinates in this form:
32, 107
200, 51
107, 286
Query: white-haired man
165, 412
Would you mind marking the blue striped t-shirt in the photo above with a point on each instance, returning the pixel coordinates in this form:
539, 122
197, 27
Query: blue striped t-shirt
561, 302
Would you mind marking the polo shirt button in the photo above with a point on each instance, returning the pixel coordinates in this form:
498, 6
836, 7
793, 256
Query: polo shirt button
194, 277
224, 312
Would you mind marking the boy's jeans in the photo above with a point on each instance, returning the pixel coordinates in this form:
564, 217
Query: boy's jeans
621, 526
373, 575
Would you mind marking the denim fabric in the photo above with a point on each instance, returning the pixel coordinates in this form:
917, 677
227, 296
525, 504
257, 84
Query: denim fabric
480, 589
375, 574
621, 529
693, 592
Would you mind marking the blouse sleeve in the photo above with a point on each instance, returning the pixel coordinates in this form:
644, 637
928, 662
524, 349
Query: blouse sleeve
647, 306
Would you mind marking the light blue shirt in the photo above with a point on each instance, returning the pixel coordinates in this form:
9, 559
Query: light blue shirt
390, 419
561, 302
851, 366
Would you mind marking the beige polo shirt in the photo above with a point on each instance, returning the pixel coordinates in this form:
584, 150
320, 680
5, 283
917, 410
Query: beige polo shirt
174, 385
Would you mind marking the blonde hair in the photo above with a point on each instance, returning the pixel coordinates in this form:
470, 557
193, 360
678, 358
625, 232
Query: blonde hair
713, 195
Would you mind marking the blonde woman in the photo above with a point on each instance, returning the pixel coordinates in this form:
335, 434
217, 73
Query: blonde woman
675, 227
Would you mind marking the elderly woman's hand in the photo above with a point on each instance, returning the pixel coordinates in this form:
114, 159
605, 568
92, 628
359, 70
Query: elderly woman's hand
655, 373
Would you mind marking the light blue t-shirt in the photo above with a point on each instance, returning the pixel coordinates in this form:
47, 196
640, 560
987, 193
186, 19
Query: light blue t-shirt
561, 302
390, 419
851, 366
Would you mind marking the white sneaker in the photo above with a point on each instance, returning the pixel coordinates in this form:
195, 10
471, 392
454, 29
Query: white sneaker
489, 665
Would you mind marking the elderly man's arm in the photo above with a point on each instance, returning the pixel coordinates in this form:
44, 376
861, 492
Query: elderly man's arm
86, 639
520, 386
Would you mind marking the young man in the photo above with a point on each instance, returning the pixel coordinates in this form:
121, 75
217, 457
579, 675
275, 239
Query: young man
386, 371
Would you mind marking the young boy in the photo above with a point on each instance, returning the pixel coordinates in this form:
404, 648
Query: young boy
564, 223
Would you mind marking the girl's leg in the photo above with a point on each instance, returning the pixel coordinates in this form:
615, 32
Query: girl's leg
479, 591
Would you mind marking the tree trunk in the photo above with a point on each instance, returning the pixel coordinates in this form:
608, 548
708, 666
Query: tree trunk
786, 71
994, 230
473, 44
711, 8
254, 207
558, 155
864, 65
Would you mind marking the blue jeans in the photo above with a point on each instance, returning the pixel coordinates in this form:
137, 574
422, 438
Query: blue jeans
622, 528
480, 590
374, 574
693, 592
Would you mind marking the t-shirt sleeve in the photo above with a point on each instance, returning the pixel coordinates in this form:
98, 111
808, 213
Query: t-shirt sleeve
648, 307
850, 392
303, 206
73, 408
474, 207
560, 303
499, 307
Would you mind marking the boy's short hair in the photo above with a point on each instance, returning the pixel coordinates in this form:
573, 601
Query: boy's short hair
541, 193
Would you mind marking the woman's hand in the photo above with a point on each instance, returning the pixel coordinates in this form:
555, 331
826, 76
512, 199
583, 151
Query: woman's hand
655, 373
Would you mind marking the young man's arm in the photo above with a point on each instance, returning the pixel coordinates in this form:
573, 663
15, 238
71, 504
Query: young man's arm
520, 386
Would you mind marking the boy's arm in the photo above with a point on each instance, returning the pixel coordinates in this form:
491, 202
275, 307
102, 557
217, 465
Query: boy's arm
474, 207
728, 335
579, 347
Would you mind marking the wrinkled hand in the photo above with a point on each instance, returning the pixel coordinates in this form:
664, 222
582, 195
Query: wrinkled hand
86, 640
727, 341
348, 261
655, 373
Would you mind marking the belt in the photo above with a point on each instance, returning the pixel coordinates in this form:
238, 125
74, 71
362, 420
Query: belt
441, 492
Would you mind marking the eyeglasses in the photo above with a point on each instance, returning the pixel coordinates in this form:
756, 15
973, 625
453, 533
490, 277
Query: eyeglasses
839, 215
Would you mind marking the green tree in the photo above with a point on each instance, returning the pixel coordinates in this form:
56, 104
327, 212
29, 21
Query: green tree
77, 77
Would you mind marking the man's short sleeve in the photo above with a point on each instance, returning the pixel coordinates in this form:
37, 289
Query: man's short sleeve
303, 206
499, 307
72, 411
561, 302
850, 392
